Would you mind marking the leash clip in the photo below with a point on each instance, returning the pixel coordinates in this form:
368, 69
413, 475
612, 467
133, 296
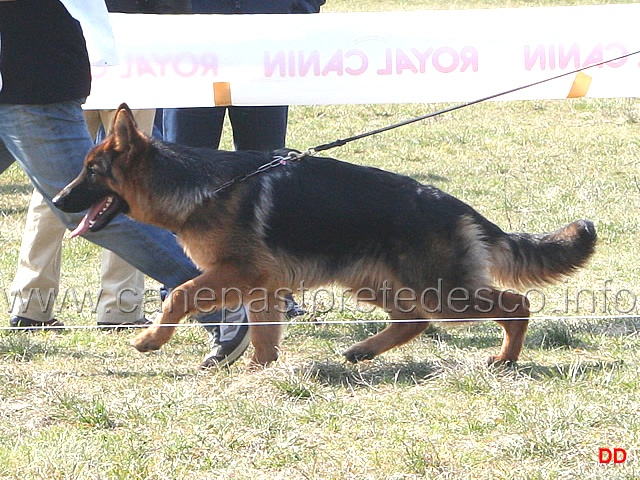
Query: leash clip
295, 156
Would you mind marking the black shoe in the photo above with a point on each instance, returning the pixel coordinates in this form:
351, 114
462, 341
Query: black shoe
25, 324
117, 327
293, 309
228, 341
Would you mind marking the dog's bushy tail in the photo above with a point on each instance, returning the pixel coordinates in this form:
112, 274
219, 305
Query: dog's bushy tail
525, 260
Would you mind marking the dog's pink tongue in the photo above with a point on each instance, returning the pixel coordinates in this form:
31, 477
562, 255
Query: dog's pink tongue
91, 215
82, 227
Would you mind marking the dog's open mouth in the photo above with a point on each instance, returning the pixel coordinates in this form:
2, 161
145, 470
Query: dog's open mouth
100, 215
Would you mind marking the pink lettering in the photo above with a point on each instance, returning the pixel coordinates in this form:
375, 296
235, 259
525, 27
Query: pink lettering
596, 56
301, 64
469, 57
277, 64
209, 64
313, 61
445, 65
129, 72
422, 57
538, 56
183, 65
162, 62
187, 66
364, 62
552, 56
145, 67
98, 72
443, 60
621, 50
388, 69
334, 65
292, 64
403, 62
565, 57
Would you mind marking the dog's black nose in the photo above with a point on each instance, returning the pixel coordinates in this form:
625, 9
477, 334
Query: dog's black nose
69, 201
60, 201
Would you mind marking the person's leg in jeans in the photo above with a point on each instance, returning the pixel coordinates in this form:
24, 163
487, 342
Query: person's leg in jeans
194, 127
259, 128
6, 159
50, 143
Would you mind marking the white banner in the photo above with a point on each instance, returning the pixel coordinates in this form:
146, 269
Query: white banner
382, 57
94, 18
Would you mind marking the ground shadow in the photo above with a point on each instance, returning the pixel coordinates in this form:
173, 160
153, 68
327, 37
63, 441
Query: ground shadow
368, 374
572, 371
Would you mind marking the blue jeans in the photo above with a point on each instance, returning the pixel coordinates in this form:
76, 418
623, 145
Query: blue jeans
50, 142
6, 159
254, 128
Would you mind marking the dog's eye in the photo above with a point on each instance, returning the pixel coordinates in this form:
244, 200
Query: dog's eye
91, 170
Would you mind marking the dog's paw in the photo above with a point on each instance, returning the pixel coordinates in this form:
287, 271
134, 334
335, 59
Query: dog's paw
357, 354
497, 361
145, 342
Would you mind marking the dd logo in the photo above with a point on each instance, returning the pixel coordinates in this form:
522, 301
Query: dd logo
617, 455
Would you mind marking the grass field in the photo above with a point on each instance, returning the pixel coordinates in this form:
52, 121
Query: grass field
84, 405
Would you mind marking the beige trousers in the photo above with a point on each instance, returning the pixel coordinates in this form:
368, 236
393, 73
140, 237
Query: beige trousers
37, 279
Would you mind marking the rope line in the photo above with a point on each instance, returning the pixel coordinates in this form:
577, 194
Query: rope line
332, 322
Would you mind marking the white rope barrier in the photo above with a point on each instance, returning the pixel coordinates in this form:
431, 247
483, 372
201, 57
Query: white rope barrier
316, 322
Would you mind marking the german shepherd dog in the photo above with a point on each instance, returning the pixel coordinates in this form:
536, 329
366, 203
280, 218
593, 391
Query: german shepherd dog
408, 248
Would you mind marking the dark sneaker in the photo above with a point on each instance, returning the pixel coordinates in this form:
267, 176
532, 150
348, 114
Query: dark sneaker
117, 327
228, 340
164, 292
25, 324
293, 309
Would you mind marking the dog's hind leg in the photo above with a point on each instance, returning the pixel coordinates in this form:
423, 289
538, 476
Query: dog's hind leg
498, 305
395, 334
510, 306
515, 306
409, 322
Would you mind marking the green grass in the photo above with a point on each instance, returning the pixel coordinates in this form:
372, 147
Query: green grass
84, 405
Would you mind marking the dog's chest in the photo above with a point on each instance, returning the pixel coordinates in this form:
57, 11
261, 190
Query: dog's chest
204, 248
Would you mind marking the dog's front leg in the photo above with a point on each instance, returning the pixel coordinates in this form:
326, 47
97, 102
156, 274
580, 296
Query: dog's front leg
174, 309
266, 332
202, 294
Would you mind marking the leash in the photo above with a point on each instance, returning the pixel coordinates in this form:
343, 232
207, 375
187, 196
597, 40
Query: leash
342, 142
292, 156
296, 156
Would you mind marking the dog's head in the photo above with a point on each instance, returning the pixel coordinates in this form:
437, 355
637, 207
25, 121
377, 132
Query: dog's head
101, 186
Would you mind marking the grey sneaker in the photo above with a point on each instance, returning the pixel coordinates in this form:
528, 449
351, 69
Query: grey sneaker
230, 340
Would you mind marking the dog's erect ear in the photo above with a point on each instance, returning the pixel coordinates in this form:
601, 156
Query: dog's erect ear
124, 130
